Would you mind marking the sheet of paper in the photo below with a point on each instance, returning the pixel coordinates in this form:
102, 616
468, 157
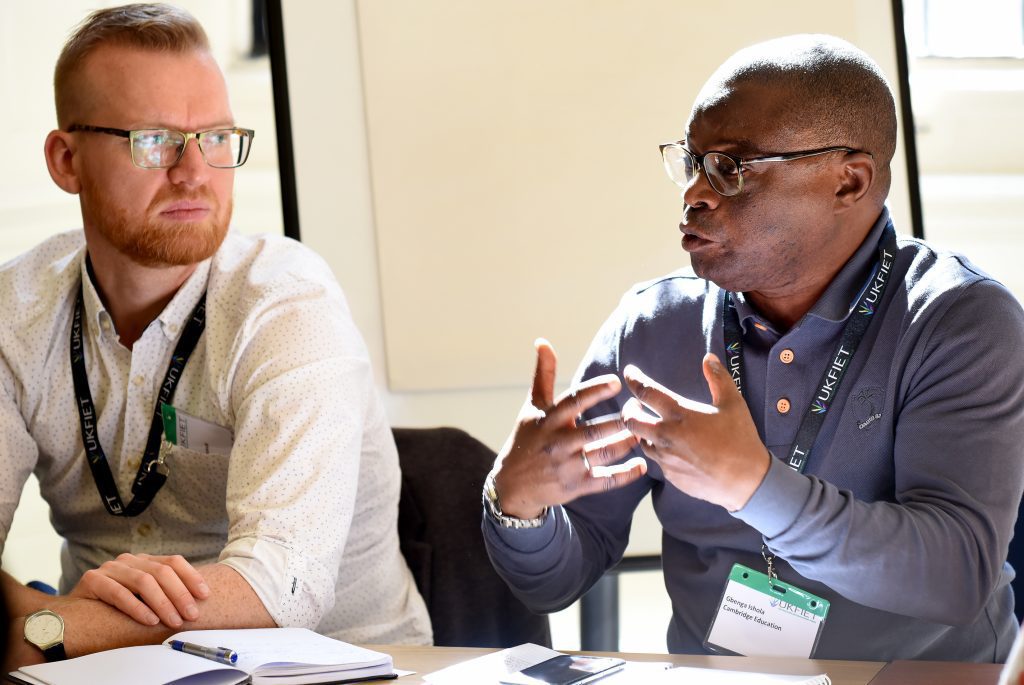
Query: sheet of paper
713, 676
636, 672
282, 646
133, 666
489, 668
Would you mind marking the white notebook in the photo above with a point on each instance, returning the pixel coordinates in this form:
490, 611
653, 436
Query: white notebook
282, 656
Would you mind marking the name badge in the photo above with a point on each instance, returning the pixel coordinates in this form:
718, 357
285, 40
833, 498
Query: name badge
761, 617
193, 433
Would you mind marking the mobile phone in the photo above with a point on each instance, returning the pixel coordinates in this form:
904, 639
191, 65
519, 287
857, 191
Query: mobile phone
565, 669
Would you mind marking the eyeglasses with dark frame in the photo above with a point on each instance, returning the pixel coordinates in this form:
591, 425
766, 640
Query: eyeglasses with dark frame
161, 148
725, 171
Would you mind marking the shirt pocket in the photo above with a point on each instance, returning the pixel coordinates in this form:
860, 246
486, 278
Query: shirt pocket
196, 488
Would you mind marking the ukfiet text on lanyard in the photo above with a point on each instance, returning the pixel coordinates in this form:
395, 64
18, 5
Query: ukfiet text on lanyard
839, 361
152, 471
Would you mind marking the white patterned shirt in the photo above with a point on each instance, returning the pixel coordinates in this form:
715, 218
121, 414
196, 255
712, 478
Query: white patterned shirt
304, 508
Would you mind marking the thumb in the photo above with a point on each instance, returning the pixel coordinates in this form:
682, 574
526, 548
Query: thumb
542, 393
723, 390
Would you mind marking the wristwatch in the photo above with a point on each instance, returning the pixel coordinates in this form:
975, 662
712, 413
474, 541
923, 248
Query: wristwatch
493, 507
45, 630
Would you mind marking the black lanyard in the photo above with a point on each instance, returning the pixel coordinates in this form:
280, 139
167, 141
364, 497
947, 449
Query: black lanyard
152, 471
853, 333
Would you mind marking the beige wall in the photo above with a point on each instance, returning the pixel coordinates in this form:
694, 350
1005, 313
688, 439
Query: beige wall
517, 186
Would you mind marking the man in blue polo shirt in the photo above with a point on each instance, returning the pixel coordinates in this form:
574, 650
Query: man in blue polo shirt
828, 418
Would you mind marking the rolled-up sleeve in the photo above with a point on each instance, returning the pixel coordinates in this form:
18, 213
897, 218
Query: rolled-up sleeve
299, 398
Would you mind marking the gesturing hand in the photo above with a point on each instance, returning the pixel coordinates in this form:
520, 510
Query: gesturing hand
148, 588
544, 462
710, 451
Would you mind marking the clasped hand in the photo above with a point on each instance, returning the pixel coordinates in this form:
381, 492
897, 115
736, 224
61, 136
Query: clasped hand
710, 451
150, 589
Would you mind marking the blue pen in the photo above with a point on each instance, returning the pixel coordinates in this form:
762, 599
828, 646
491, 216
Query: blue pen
221, 654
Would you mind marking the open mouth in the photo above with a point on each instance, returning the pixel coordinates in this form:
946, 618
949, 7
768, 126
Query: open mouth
692, 242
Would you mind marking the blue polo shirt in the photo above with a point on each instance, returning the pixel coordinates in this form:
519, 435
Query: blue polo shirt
904, 512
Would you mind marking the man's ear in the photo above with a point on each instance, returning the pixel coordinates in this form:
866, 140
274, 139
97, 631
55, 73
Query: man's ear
857, 176
60, 150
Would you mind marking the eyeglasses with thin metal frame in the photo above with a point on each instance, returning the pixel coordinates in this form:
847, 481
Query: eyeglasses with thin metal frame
160, 148
725, 171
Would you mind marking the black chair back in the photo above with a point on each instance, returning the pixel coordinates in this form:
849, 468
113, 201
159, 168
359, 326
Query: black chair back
1015, 556
439, 515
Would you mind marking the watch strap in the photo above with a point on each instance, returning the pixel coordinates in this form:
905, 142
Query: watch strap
55, 652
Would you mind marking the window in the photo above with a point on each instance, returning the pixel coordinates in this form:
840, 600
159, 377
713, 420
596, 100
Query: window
951, 28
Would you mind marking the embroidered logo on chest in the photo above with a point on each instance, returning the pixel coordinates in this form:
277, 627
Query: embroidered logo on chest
867, 406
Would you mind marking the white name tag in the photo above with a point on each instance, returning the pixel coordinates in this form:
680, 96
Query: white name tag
192, 433
758, 617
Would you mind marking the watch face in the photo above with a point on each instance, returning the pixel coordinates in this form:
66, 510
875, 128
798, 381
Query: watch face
43, 629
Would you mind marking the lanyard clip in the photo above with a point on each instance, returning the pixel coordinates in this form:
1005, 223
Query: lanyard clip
160, 463
769, 559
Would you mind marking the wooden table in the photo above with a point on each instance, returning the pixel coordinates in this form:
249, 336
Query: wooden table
425, 660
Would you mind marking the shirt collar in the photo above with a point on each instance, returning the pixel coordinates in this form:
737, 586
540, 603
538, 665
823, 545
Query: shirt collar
749, 316
172, 319
840, 297
178, 311
95, 312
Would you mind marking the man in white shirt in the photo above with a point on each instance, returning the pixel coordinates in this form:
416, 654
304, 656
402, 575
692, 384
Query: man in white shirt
198, 406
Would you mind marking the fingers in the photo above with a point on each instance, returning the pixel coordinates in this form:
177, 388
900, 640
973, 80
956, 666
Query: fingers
111, 592
573, 439
611, 449
188, 574
605, 478
640, 423
659, 398
721, 385
649, 391
156, 581
161, 589
168, 596
542, 393
579, 399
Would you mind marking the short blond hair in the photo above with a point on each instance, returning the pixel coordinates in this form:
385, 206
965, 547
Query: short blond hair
146, 26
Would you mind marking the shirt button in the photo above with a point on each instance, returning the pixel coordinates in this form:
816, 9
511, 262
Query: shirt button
138, 380
134, 463
144, 529
783, 406
787, 356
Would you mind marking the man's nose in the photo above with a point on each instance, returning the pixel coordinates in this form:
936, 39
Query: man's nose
699, 193
191, 169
